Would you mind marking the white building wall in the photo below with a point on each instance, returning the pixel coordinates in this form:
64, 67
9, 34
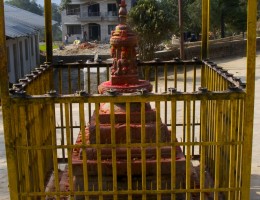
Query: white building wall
23, 56
103, 21
69, 20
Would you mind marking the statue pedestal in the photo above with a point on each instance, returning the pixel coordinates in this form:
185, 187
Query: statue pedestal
106, 158
125, 87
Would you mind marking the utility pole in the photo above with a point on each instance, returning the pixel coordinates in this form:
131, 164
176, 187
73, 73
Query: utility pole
181, 30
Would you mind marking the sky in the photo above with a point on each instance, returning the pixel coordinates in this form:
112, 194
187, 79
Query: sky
53, 1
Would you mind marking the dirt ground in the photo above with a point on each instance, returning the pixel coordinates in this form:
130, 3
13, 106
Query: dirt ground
86, 48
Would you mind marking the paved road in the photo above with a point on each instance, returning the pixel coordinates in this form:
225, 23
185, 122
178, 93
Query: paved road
234, 65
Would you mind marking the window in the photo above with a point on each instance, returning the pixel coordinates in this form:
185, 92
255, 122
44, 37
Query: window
112, 9
73, 9
73, 29
93, 10
111, 28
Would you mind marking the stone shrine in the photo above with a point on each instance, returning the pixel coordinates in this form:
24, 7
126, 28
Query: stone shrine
124, 79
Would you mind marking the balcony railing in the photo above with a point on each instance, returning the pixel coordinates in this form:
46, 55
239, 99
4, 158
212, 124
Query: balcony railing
98, 15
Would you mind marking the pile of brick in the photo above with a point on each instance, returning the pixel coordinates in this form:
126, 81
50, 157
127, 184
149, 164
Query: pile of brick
86, 45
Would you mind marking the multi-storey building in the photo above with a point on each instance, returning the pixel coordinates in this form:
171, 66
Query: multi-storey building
91, 19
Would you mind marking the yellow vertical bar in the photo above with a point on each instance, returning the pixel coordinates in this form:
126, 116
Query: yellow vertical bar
6, 107
48, 29
188, 155
175, 76
99, 163
143, 151
206, 82
222, 158
240, 138
184, 126
158, 149
249, 102
194, 77
61, 113
62, 129
213, 117
156, 78
40, 159
71, 124
205, 28
237, 150
89, 91
184, 107
194, 110
165, 77
107, 72
147, 70
25, 156
185, 78
84, 143
113, 142
165, 89
218, 118
232, 147
128, 143
50, 121
69, 150
203, 132
173, 151
226, 147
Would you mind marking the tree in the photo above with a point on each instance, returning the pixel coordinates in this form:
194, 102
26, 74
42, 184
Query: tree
63, 4
225, 16
193, 17
29, 5
152, 22
56, 13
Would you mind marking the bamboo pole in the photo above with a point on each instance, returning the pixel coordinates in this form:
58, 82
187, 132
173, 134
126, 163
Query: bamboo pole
6, 107
48, 29
249, 102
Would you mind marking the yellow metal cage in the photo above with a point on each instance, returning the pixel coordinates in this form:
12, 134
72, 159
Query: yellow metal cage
208, 111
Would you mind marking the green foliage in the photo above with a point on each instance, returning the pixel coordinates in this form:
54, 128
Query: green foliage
56, 13
225, 16
29, 5
42, 46
57, 33
193, 17
153, 21
63, 4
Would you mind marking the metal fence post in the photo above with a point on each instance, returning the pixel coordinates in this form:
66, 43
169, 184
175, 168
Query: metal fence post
48, 29
5, 100
249, 102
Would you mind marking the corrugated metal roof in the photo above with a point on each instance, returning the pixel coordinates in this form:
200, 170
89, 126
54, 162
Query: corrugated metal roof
19, 22
15, 29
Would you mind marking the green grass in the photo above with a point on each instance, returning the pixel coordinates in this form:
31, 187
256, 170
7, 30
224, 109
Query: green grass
42, 46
